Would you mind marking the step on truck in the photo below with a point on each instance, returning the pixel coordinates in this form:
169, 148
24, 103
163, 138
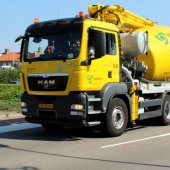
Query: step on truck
109, 68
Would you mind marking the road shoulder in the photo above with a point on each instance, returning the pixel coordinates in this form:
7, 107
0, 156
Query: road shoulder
9, 117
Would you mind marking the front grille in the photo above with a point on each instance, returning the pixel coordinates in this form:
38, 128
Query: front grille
47, 82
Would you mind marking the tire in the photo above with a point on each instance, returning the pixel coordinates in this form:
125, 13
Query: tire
52, 127
116, 118
165, 118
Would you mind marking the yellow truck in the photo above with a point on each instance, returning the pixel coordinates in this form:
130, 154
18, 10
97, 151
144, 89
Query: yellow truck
109, 68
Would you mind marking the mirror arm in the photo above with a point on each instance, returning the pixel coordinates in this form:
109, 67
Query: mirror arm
86, 62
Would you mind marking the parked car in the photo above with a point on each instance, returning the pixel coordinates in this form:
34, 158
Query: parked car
14, 82
8, 67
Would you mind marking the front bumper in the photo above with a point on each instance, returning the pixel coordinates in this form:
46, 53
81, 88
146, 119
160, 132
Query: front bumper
60, 113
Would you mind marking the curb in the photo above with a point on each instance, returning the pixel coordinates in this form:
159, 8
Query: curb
9, 116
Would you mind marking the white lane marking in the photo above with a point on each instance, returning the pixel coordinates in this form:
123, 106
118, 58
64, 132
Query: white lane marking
134, 141
22, 126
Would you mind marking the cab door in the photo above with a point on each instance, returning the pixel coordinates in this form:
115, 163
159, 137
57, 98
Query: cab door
103, 53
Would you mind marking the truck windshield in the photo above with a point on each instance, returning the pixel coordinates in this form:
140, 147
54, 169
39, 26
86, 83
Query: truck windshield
53, 45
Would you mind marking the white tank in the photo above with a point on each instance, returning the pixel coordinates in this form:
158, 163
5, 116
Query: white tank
135, 43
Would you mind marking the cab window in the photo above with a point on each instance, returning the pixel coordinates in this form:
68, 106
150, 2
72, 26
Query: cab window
110, 44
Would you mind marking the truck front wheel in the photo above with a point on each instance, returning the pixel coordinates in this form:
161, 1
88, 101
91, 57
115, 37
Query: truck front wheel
116, 117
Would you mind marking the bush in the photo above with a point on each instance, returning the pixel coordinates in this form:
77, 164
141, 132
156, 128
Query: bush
8, 75
10, 97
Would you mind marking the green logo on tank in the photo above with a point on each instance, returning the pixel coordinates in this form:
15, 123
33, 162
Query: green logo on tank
162, 37
90, 78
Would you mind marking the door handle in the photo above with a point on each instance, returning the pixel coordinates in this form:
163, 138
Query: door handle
110, 74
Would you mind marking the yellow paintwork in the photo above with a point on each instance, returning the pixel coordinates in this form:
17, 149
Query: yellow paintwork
81, 78
158, 38
135, 99
22, 87
158, 55
95, 76
124, 19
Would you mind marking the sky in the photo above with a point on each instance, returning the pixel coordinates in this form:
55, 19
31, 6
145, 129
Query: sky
17, 15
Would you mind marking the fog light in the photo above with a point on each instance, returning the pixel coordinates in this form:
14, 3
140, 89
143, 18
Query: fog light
73, 113
23, 104
76, 113
77, 107
24, 109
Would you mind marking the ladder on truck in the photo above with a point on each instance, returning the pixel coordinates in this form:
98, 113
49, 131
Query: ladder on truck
124, 19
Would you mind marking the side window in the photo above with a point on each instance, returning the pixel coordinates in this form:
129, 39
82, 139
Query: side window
101, 43
96, 44
110, 44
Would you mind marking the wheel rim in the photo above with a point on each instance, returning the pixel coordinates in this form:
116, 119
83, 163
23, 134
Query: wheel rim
167, 110
118, 117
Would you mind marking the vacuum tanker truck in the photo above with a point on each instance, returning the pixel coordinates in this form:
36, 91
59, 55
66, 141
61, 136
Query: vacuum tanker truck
109, 68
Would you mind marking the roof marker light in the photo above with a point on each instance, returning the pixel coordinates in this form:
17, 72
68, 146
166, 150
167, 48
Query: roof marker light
36, 20
81, 14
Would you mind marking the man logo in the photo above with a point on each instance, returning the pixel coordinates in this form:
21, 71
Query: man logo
40, 82
46, 83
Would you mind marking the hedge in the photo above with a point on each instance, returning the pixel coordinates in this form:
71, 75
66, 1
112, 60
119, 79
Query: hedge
10, 97
8, 75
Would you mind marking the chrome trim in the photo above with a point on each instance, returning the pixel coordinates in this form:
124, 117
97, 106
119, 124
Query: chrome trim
48, 75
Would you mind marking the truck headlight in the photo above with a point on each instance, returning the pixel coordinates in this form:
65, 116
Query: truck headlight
24, 110
23, 107
77, 107
23, 104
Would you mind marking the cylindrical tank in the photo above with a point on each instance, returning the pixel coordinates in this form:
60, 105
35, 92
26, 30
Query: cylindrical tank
150, 45
158, 56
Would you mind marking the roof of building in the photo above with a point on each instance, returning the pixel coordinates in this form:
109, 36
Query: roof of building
11, 56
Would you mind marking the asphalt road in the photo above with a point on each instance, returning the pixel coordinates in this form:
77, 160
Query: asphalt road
25, 146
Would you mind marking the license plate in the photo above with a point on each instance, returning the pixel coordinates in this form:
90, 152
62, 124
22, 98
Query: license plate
46, 106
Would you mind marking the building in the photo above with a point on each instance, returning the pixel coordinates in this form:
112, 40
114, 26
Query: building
9, 59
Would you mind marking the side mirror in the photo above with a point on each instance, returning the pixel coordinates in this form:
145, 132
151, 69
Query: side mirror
22, 49
99, 43
98, 49
86, 62
37, 40
19, 38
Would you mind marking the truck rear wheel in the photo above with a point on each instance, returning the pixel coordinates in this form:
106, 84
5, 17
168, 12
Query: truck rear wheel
116, 117
165, 118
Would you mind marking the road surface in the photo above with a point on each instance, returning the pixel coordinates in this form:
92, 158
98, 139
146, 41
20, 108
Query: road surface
25, 146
